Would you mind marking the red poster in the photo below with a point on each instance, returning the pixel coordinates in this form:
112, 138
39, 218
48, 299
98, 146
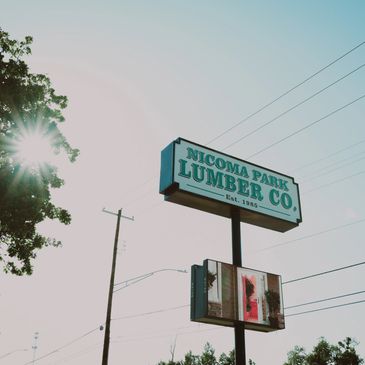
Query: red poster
250, 307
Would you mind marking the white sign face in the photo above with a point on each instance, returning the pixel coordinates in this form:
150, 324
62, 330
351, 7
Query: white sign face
219, 177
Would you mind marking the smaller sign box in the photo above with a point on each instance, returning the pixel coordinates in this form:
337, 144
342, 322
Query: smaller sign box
224, 294
211, 181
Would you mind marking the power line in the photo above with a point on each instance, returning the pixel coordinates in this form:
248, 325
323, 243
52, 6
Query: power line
79, 353
328, 156
166, 335
63, 346
311, 235
297, 132
159, 204
324, 272
220, 328
325, 308
333, 182
187, 305
134, 339
325, 300
308, 125
98, 328
152, 312
285, 93
293, 107
162, 331
342, 163
275, 100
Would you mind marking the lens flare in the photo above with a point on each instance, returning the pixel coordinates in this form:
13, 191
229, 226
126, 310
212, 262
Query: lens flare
33, 149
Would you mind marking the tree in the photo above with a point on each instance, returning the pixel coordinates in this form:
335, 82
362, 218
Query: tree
345, 353
206, 358
323, 353
227, 359
296, 356
28, 103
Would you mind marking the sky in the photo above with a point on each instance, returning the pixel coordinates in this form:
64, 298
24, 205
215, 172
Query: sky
139, 74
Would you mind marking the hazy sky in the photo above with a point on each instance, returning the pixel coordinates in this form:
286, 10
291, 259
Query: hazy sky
139, 74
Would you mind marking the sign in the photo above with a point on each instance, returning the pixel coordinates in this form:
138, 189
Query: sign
211, 181
224, 294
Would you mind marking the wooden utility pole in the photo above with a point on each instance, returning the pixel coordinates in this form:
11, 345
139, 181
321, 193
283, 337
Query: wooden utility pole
111, 287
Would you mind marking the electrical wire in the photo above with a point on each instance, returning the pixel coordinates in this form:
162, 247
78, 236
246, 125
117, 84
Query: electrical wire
273, 101
285, 93
63, 346
308, 126
297, 132
79, 353
333, 182
310, 235
328, 156
159, 204
150, 313
324, 300
293, 107
325, 308
323, 273
187, 305
338, 165
217, 137
89, 349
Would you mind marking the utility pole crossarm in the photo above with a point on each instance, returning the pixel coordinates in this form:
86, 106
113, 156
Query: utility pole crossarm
116, 214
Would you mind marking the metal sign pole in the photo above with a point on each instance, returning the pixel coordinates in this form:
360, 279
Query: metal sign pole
239, 328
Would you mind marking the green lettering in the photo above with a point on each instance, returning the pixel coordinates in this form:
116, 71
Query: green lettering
182, 171
282, 185
220, 163
192, 154
215, 179
256, 191
265, 179
198, 177
243, 187
232, 168
209, 160
274, 181
201, 157
230, 183
256, 174
286, 201
244, 172
274, 193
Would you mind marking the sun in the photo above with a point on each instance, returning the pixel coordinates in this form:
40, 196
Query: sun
33, 149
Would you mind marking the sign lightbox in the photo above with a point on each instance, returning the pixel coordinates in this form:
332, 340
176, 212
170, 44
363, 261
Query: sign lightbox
211, 181
224, 294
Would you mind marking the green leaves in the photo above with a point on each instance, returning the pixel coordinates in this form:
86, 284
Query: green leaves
206, 358
27, 102
323, 353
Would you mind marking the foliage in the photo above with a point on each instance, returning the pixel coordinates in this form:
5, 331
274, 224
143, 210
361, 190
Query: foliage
250, 288
323, 353
27, 102
206, 358
211, 278
273, 300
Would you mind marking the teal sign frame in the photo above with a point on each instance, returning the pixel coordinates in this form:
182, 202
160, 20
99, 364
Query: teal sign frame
199, 177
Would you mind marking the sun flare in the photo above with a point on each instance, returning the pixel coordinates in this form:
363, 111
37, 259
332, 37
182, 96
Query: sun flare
33, 149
